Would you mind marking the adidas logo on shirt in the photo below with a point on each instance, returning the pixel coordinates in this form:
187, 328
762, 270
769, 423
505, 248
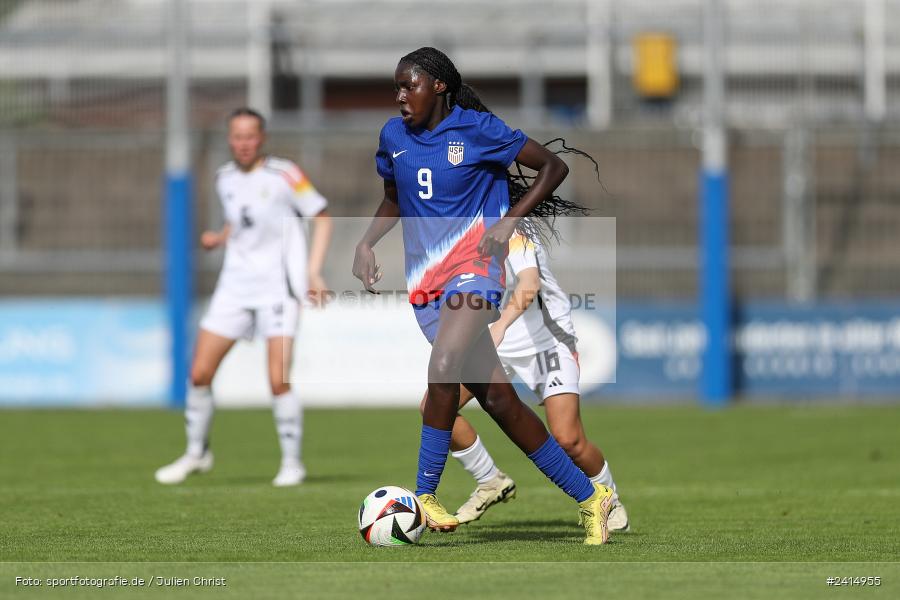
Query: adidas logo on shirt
555, 382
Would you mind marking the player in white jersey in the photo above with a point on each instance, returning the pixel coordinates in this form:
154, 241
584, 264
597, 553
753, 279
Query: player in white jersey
535, 340
266, 274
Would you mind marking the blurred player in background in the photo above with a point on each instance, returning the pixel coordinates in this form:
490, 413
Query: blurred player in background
264, 278
444, 165
535, 340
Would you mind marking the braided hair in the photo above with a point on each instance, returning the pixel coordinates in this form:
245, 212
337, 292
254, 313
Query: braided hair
538, 225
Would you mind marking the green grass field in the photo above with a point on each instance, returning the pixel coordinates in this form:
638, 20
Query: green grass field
749, 502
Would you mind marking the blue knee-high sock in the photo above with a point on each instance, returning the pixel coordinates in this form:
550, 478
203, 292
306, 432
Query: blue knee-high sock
553, 462
433, 452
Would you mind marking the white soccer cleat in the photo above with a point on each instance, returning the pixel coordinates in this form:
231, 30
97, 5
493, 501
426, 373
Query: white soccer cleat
179, 470
290, 474
499, 489
617, 522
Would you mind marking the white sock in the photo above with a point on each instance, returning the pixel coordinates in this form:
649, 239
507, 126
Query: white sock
477, 461
198, 413
289, 425
604, 477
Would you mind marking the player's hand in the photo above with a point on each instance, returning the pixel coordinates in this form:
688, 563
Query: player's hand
210, 240
317, 292
495, 240
365, 268
498, 332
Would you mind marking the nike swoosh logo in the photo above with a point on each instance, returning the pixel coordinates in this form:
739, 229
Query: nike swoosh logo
396, 154
461, 283
426, 473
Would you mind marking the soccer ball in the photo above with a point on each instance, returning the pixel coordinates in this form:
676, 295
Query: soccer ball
391, 516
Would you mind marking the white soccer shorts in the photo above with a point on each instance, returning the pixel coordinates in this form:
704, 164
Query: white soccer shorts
230, 319
548, 372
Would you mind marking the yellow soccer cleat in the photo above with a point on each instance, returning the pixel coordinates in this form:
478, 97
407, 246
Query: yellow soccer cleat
593, 514
437, 516
617, 522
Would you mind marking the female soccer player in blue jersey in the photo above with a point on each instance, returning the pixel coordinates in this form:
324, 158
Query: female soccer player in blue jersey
444, 164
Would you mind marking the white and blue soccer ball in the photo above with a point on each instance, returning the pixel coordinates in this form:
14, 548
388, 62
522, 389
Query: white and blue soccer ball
391, 516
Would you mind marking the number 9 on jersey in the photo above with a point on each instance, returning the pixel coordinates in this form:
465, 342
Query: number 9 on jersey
425, 182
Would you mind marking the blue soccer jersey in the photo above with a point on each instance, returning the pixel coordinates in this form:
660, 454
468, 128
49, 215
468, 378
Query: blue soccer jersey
451, 186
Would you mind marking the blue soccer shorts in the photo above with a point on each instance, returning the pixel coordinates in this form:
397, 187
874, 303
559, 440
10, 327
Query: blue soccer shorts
455, 293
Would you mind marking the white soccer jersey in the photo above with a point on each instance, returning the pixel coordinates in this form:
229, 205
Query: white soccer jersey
265, 257
548, 319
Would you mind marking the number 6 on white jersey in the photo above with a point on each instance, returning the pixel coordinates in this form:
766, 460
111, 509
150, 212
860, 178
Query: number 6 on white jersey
425, 181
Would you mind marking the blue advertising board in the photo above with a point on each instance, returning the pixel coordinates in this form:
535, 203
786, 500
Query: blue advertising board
93, 352
841, 349
777, 349
83, 352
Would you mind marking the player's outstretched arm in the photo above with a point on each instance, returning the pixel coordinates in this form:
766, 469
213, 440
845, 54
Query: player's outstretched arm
210, 240
527, 288
365, 267
323, 226
551, 171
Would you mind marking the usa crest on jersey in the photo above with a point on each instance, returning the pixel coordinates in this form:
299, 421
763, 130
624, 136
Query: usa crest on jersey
455, 152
